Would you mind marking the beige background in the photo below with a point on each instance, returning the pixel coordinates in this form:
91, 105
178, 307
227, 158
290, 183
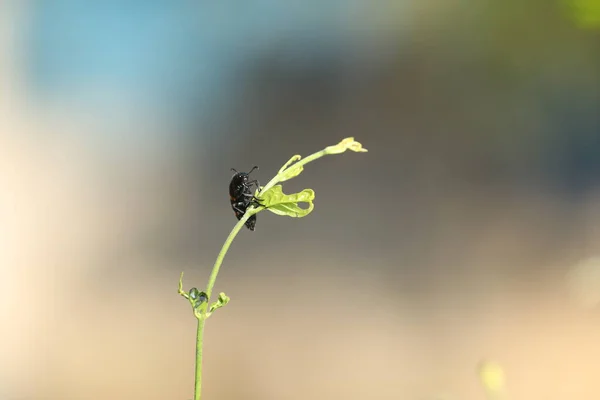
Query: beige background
439, 248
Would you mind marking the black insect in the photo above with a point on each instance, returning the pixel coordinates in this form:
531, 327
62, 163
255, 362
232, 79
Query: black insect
241, 195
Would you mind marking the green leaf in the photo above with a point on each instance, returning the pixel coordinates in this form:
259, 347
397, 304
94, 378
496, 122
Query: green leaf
180, 289
221, 302
290, 170
347, 144
287, 204
295, 158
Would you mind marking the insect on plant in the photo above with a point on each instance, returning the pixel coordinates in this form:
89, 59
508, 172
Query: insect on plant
246, 205
242, 196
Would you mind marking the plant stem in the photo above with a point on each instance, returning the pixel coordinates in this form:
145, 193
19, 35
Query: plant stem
209, 287
221, 256
199, 340
204, 310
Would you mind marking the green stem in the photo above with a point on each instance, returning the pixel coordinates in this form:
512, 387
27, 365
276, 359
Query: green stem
209, 287
294, 162
199, 340
221, 256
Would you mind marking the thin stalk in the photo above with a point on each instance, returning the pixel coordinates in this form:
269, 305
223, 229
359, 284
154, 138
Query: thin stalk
204, 311
209, 287
215, 271
199, 340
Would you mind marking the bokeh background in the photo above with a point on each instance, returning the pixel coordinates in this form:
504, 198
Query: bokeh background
469, 232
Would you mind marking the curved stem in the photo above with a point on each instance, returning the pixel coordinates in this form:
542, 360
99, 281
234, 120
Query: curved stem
221, 256
294, 162
209, 288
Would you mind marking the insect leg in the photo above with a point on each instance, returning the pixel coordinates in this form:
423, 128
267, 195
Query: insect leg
255, 183
256, 202
235, 206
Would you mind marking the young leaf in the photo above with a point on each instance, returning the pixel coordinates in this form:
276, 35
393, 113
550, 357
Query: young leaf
347, 144
292, 160
221, 302
291, 172
287, 204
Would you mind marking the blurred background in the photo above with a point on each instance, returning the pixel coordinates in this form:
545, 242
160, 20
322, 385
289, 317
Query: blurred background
470, 231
